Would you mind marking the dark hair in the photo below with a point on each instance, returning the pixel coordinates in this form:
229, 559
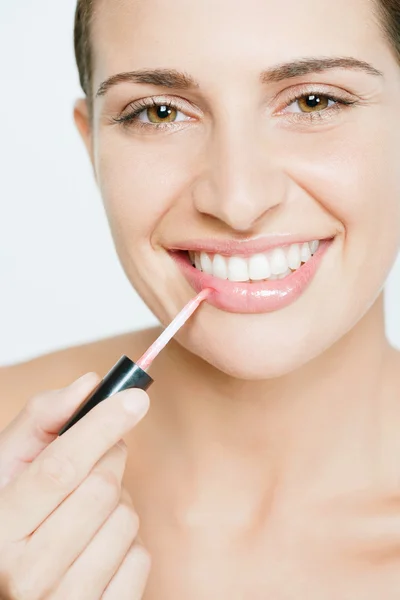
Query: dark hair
387, 11
83, 48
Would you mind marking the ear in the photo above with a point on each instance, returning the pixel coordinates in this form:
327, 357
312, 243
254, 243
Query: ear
84, 126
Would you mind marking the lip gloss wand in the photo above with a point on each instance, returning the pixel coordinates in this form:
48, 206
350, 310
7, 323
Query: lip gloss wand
127, 374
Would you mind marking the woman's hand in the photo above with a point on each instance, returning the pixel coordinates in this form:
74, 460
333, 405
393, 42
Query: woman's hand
67, 527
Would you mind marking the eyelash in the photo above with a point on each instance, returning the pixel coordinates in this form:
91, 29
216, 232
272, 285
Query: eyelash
141, 105
340, 104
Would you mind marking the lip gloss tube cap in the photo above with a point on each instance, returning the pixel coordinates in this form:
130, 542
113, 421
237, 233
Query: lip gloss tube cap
123, 376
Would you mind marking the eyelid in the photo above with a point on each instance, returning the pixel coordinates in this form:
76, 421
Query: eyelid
341, 97
297, 92
150, 101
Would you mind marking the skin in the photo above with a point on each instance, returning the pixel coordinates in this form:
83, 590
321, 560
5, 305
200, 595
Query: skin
272, 439
59, 493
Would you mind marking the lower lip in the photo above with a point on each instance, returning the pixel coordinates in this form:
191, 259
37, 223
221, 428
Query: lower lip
258, 297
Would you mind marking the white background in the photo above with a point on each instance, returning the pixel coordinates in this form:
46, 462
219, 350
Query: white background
61, 283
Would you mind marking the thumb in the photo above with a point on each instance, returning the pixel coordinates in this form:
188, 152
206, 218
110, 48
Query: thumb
38, 424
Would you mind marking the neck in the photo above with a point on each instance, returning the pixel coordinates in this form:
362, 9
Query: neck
305, 430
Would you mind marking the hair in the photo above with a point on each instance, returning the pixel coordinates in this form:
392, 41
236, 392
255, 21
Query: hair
387, 11
82, 43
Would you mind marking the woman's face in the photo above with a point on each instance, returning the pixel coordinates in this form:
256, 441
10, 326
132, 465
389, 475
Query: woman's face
246, 159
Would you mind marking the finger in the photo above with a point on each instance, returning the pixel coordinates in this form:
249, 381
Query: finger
62, 466
96, 566
37, 425
53, 548
129, 583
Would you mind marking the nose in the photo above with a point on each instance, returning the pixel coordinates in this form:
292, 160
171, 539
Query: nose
241, 181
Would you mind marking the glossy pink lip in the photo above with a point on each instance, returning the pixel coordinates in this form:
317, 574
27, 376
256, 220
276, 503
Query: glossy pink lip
260, 297
243, 248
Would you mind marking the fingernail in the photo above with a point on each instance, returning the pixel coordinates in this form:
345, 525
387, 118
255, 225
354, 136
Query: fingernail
85, 378
136, 402
121, 444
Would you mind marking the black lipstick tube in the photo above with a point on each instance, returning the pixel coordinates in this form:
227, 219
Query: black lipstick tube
123, 376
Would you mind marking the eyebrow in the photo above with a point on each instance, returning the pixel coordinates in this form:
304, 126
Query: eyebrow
306, 66
171, 78
168, 78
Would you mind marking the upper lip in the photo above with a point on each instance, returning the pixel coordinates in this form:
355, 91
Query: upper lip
245, 247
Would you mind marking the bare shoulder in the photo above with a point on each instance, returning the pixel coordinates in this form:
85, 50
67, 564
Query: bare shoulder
20, 382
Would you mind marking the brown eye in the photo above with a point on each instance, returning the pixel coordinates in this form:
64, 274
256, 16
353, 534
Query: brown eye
161, 114
313, 103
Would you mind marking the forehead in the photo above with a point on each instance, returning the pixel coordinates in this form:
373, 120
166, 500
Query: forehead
220, 36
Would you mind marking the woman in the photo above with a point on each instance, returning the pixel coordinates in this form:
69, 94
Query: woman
259, 142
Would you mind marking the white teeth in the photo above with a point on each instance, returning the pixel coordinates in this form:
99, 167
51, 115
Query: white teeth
305, 252
238, 269
293, 256
259, 267
283, 275
275, 264
220, 268
278, 261
206, 263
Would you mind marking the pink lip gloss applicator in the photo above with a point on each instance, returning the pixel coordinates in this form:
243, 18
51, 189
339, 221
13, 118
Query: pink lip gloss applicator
127, 374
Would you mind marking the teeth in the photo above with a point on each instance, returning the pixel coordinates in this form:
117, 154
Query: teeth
293, 256
238, 269
275, 264
305, 252
278, 261
283, 275
259, 267
206, 263
220, 267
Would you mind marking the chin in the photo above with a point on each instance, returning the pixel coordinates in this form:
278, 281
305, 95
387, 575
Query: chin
252, 347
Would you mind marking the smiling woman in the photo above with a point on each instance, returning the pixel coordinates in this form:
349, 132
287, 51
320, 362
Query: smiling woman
268, 465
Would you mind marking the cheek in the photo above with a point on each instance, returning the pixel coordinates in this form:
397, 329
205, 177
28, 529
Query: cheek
140, 182
354, 176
